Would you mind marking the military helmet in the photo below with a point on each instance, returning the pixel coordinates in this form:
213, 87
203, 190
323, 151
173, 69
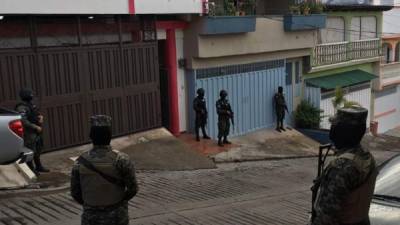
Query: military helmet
100, 121
280, 89
352, 115
200, 91
223, 93
26, 94
348, 127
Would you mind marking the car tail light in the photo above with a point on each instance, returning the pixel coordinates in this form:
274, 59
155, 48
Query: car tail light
17, 128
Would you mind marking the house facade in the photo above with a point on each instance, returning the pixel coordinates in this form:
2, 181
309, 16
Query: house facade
347, 56
90, 57
249, 52
387, 87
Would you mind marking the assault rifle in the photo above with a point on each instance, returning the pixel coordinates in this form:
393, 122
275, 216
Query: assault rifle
233, 121
317, 181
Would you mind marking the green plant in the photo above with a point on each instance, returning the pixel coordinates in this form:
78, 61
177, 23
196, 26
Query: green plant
316, 8
305, 8
294, 10
339, 98
229, 7
339, 101
307, 115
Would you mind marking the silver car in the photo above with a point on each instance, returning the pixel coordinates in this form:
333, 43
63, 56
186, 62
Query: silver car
11, 139
385, 207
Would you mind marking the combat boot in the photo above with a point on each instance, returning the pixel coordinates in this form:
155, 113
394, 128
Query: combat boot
40, 167
220, 143
226, 141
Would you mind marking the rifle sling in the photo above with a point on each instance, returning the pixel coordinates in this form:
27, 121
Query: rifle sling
91, 167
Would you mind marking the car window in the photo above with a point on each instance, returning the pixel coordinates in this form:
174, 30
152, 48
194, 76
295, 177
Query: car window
388, 181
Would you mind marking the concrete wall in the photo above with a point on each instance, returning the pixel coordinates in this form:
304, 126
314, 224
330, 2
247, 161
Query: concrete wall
168, 6
64, 7
390, 21
101, 6
269, 37
387, 108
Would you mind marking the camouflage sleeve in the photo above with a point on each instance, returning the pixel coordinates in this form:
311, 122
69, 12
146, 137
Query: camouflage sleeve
196, 105
76, 191
23, 111
338, 183
127, 170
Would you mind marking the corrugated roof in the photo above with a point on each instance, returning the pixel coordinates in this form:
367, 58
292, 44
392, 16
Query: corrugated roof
341, 79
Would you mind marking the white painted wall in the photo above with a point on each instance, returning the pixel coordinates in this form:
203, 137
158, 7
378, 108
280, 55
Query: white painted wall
168, 6
182, 87
100, 6
387, 101
64, 7
363, 97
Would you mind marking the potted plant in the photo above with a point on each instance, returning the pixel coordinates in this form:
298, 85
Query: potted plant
305, 8
294, 10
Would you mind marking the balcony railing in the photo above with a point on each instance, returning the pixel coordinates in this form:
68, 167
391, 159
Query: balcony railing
332, 53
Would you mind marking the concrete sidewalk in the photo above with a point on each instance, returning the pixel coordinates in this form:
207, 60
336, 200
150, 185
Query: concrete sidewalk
265, 144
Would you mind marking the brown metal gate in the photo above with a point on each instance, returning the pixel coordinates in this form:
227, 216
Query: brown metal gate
76, 82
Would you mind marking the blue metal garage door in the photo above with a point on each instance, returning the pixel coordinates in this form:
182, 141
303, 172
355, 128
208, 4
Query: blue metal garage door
250, 87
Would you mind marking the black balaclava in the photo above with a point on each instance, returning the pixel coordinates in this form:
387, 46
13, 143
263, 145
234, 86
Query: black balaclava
26, 94
200, 93
280, 90
348, 127
100, 130
223, 94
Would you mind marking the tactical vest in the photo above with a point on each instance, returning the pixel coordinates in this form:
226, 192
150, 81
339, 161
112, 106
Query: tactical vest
355, 208
32, 115
97, 191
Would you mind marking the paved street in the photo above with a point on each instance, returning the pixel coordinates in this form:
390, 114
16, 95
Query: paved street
264, 192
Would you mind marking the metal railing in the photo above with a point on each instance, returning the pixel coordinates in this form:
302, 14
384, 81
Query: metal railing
332, 53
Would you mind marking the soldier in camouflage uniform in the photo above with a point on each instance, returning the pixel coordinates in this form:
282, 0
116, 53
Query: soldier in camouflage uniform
103, 180
225, 114
347, 183
280, 107
32, 122
199, 106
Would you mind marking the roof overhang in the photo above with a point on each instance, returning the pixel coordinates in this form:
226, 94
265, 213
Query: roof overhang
343, 79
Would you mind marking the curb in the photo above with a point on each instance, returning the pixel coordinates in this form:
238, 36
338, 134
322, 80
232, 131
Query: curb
264, 159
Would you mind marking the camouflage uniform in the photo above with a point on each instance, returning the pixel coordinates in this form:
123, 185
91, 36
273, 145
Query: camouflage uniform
347, 183
116, 214
339, 179
31, 120
280, 107
200, 108
224, 111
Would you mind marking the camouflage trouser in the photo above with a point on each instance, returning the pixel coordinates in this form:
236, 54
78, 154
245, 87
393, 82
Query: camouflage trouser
224, 126
117, 216
280, 116
200, 122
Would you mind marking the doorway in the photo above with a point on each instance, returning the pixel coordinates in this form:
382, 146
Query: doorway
164, 93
